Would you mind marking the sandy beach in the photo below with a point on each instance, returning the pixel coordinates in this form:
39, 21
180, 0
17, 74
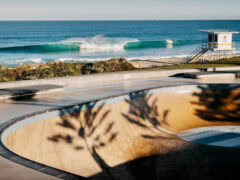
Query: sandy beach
156, 62
174, 60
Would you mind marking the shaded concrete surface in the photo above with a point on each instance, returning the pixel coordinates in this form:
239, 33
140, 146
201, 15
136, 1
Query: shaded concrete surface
226, 136
209, 74
137, 140
28, 92
13, 171
193, 162
13, 109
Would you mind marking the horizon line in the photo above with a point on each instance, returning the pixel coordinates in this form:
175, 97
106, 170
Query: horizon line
120, 19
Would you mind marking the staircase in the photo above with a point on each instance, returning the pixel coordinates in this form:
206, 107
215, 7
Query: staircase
197, 53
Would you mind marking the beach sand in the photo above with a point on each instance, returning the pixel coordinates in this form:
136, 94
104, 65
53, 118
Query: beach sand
156, 62
150, 63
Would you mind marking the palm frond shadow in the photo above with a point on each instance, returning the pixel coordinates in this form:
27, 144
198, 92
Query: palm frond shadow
87, 130
84, 121
144, 113
218, 102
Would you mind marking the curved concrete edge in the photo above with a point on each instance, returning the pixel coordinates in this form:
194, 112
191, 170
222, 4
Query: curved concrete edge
55, 112
14, 124
11, 156
106, 77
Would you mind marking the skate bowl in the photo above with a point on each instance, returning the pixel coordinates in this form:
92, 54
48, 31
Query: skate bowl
134, 136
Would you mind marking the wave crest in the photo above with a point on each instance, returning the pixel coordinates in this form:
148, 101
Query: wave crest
43, 48
96, 43
157, 44
101, 42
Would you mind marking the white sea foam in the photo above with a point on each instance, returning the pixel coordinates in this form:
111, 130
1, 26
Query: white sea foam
101, 42
22, 61
34, 60
127, 58
79, 59
169, 41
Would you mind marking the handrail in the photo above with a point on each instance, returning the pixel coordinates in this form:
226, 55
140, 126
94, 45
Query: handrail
205, 46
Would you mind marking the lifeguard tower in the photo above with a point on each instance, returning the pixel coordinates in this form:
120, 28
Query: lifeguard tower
218, 41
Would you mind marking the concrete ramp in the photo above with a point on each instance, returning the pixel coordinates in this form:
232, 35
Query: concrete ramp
134, 136
204, 74
210, 75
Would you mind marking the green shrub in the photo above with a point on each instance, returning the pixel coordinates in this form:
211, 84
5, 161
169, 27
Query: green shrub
61, 69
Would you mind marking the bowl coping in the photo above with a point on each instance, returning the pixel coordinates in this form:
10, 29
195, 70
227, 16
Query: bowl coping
14, 124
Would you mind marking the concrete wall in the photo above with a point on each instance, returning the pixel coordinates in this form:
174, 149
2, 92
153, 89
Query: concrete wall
96, 140
104, 78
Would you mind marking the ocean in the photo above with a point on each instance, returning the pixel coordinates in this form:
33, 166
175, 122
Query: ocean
33, 42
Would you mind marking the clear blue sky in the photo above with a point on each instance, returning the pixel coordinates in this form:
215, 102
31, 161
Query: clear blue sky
118, 9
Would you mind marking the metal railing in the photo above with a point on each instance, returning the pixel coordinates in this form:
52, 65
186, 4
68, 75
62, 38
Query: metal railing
198, 50
205, 46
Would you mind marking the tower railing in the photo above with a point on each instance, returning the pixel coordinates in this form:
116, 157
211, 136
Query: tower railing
205, 47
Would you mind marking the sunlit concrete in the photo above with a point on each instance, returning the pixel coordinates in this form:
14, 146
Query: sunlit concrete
71, 95
78, 94
174, 112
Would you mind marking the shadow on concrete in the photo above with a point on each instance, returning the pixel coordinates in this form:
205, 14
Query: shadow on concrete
87, 130
191, 162
24, 96
16, 94
218, 102
27, 92
170, 157
144, 114
183, 160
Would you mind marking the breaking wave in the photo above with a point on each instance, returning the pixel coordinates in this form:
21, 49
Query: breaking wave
101, 42
157, 44
98, 42
43, 48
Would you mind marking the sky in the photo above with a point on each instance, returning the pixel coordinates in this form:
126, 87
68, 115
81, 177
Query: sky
119, 9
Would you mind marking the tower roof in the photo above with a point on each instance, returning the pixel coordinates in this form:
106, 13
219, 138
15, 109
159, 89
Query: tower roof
218, 31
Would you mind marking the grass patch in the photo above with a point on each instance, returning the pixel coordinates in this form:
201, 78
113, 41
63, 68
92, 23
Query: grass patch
231, 62
191, 66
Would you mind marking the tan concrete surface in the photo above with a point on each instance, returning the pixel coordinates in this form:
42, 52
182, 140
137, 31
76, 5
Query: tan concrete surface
92, 141
73, 95
80, 93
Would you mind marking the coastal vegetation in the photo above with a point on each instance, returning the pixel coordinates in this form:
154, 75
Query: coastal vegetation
62, 69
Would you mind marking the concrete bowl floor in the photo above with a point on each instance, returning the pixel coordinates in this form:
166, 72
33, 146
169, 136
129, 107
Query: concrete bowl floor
141, 135
225, 136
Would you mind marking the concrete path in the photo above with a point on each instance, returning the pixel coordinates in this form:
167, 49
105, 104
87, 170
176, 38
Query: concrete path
78, 94
28, 91
19, 107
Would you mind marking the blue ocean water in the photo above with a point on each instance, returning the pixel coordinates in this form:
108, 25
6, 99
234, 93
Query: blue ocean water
23, 42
